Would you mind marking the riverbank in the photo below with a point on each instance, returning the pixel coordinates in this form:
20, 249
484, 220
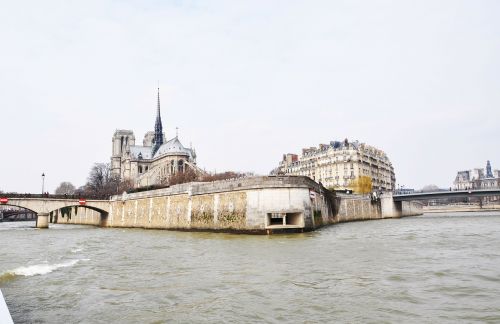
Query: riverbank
459, 208
256, 205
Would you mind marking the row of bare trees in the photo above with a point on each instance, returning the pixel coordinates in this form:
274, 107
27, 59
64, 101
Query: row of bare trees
102, 183
191, 176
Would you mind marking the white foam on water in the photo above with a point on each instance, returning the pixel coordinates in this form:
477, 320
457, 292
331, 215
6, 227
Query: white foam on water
41, 269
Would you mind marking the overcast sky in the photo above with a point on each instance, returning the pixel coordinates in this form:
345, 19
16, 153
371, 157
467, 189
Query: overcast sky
246, 81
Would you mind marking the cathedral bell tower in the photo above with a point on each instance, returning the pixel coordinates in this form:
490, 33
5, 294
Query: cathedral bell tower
158, 138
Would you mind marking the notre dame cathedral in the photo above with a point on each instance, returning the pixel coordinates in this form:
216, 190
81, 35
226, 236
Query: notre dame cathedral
155, 160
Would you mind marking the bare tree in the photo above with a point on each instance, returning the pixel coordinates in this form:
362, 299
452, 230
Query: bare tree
182, 177
125, 185
80, 191
222, 176
99, 176
65, 188
101, 182
191, 175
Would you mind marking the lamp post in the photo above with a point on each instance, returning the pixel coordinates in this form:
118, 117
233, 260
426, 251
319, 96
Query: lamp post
43, 182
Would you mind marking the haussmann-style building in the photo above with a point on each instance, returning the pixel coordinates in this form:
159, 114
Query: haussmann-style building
155, 160
337, 164
478, 178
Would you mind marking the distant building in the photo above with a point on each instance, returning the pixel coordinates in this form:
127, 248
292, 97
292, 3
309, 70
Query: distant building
154, 161
336, 164
477, 179
404, 191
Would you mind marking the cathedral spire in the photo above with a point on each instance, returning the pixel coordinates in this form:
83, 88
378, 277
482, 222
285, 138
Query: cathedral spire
489, 174
158, 106
158, 140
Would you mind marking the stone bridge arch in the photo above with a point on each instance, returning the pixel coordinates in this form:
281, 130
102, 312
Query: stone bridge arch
63, 215
44, 206
13, 205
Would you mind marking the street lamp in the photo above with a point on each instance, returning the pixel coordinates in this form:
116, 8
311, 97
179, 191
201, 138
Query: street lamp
43, 182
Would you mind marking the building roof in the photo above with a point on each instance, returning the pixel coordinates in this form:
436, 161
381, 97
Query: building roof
140, 152
174, 147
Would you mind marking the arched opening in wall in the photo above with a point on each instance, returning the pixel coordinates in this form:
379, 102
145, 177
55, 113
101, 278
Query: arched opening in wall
12, 213
180, 166
79, 215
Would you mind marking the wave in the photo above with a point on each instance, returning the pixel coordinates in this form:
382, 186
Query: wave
35, 270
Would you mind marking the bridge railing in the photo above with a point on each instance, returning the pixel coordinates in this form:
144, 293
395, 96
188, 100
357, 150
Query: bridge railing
401, 192
53, 196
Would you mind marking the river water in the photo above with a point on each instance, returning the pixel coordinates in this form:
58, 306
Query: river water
431, 268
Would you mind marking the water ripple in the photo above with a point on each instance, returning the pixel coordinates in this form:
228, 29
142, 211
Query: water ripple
425, 269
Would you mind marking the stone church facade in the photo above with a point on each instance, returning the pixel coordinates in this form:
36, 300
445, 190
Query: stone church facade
153, 162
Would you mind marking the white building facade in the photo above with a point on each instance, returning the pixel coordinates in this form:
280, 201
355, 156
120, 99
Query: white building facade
337, 164
477, 179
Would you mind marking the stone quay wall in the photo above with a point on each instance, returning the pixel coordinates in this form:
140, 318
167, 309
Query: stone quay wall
254, 205
357, 207
246, 205
362, 207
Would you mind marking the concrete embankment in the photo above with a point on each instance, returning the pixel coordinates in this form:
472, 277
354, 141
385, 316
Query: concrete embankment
255, 205
247, 205
362, 207
459, 209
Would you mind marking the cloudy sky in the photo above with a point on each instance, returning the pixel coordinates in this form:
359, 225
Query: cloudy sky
246, 81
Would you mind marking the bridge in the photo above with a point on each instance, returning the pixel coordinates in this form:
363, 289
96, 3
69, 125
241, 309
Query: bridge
44, 205
16, 215
447, 194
